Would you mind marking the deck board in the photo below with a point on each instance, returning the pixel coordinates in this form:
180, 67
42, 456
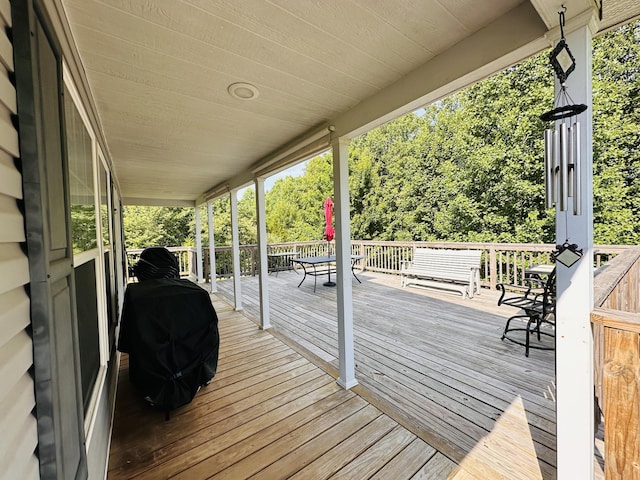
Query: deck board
437, 362
268, 413
439, 395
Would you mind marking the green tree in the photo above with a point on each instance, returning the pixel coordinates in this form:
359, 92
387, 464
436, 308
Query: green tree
157, 226
467, 168
616, 136
295, 205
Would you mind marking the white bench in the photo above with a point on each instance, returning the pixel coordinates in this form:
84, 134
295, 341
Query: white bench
457, 270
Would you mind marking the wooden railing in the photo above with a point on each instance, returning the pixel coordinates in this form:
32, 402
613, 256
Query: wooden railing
186, 259
501, 262
616, 330
615, 318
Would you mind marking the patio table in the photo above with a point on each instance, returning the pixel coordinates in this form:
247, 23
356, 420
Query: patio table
280, 261
539, 273
323, 264
539, 269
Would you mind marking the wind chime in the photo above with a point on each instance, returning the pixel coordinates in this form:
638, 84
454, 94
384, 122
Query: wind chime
562, 145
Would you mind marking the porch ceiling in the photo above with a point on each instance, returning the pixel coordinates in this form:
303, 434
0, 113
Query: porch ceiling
159, 72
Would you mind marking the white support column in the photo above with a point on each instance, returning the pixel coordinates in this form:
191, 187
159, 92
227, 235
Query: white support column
346, 359
212, 247
198, 245
261, 215
235, 248
574, 341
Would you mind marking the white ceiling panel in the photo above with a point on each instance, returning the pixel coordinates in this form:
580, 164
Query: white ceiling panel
159, 72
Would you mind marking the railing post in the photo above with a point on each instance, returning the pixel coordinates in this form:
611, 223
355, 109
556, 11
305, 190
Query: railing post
205, 263
493, 264
622, 405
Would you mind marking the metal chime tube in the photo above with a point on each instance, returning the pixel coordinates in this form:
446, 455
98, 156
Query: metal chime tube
577, 192
548, 168
555, 162
564, 166
570, 156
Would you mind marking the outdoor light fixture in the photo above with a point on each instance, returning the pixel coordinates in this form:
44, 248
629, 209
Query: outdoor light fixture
243, 91
567, 254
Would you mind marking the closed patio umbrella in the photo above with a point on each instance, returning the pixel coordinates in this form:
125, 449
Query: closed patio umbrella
329, 233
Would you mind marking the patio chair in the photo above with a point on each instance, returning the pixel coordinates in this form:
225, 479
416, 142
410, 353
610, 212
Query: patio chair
538, 302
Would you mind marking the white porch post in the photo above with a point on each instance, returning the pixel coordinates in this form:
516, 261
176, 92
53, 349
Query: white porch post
574, 341
198, 245
261, 215
212, 247
235, 248
340, 148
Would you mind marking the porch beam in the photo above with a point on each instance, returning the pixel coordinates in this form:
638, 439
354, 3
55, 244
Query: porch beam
263, 270
235, 248
521, 34
548, 10
340, 147
574, 341
212, 247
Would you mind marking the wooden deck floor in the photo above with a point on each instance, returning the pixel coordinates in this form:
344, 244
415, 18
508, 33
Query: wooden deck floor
435, 363
269, 413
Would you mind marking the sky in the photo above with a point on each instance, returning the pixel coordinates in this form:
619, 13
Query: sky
294, 171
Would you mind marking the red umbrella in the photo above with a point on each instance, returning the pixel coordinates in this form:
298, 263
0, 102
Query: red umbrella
329, 232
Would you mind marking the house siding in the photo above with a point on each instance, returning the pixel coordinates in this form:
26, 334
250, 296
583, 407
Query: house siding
18, 425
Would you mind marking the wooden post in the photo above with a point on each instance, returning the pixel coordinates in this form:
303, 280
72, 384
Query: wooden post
574, 341
212, 248
263, 278
346, 359
198, 245
622, 404
493, 266
235, 248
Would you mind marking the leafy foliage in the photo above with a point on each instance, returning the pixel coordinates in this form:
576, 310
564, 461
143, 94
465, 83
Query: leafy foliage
157, 226
466, 168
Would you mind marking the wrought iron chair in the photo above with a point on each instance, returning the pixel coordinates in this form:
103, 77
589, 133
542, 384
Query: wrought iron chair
538, 301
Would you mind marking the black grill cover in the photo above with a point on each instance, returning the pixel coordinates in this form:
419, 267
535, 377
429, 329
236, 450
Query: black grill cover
156, 262
170, 331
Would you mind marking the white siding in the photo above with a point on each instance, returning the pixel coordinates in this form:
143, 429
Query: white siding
19, 436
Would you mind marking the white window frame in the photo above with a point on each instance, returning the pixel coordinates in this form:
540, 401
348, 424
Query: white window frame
96, 254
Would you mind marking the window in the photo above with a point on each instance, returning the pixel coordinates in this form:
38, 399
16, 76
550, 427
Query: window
80, 157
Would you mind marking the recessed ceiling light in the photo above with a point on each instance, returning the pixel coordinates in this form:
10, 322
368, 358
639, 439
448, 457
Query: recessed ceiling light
243, 91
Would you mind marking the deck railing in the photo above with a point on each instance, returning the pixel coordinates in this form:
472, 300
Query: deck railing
186, 259
616, 330
500, 262
615, 318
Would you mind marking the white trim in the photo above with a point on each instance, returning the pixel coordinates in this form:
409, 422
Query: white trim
198, 244
97, 161
263, 279
574, 341
212, 247
84, 257
75, 96
344, 287
112, 415
235, 248
101, 288
92, 409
